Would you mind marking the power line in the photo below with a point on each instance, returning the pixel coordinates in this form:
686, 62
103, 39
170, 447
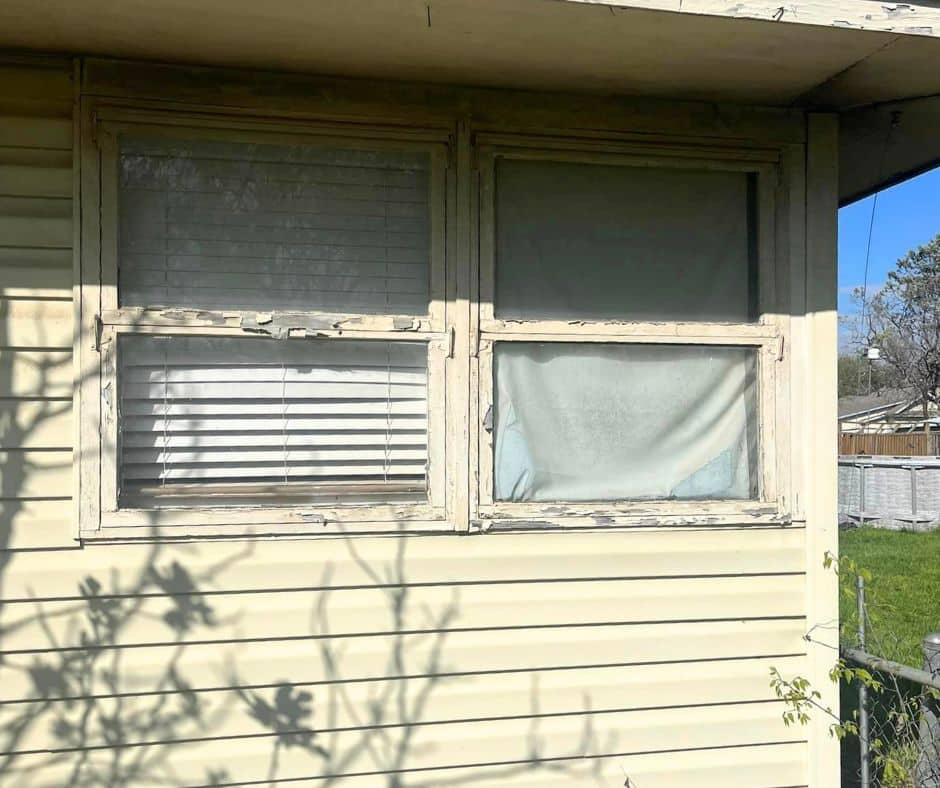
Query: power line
895, 121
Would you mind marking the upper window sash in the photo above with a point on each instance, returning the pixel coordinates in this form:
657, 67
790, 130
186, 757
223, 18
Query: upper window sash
109, 134
760, 164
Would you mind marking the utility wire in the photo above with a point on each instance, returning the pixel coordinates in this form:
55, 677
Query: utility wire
895, 121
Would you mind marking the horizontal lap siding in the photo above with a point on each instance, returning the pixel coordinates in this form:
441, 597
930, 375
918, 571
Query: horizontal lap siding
578, 651
530, 660
36, 317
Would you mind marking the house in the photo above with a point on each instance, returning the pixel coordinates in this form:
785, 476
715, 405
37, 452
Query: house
874, 412
888, 412
429, 393
890, 423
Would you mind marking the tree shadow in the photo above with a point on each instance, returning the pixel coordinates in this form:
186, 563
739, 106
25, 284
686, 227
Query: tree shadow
87, 720
82, 708
380, 736
73, 712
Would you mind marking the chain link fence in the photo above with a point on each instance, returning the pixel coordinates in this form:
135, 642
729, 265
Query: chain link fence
892, 710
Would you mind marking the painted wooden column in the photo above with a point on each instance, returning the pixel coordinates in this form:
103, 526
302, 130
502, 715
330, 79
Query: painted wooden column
820, 461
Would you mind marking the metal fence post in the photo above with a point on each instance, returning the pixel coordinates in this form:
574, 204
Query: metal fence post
861, 493
863, 754
929, 765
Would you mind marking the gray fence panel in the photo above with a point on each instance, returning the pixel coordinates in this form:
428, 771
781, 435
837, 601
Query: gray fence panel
890, 492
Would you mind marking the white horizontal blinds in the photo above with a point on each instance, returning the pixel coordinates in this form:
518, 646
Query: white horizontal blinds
300, 417
610, 242
225, 225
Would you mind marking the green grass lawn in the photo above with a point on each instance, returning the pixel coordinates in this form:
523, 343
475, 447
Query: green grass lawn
903, 594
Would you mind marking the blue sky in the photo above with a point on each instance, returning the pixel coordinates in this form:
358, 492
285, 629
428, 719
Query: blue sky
906, 216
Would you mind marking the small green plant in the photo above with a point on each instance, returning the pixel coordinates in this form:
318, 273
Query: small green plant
800, 698
899, 766
894, 752
895, 760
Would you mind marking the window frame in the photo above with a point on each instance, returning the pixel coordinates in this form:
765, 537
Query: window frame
766, 333
101, 517
460, 328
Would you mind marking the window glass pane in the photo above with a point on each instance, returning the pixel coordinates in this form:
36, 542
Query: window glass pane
590, 242
219, 225
217, 420
607, 422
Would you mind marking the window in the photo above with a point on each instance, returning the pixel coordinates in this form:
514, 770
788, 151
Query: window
213, 224
648, 243
609, 422
290, 335
213, 420
628, 335
272, 326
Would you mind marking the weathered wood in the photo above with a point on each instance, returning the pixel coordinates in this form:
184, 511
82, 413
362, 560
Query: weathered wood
910, 18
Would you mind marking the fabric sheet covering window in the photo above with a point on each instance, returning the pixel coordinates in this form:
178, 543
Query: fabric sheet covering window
227, 416
607, 422
224, 225
605, 242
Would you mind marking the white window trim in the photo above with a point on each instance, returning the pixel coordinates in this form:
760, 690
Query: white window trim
767, 334
103, 319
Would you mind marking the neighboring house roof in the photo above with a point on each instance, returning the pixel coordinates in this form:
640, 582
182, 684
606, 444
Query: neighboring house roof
866, 405
886, 411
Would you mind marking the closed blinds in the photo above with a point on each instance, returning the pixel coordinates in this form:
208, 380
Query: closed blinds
237, 226
226, 418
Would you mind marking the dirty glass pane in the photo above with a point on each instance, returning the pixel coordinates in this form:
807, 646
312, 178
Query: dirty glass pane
219, 419
603, 242
225, 225
609, 422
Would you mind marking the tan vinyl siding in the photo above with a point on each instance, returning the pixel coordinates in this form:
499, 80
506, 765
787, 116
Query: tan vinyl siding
609, 644
36, 313
527, 660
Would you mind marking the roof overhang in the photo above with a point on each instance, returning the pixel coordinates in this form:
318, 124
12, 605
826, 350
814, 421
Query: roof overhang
859, 57
884, 144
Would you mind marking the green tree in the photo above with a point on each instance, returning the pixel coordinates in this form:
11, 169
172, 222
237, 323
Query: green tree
903, 322
855, 374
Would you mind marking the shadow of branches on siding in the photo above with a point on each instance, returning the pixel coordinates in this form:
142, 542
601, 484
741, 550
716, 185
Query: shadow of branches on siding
71, 713
76, 712
33, 399
369, 722
84, 717
78, 708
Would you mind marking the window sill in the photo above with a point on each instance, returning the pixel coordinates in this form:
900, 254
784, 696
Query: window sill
175, 533
265, 521
665, 514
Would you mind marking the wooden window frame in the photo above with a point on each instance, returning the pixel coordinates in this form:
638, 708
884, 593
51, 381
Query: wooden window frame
767, 334
100, 515
460, 328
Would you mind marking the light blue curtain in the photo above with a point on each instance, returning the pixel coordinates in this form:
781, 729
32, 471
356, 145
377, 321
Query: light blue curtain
607, 422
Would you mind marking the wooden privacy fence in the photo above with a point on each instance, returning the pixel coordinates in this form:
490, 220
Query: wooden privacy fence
907, 444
